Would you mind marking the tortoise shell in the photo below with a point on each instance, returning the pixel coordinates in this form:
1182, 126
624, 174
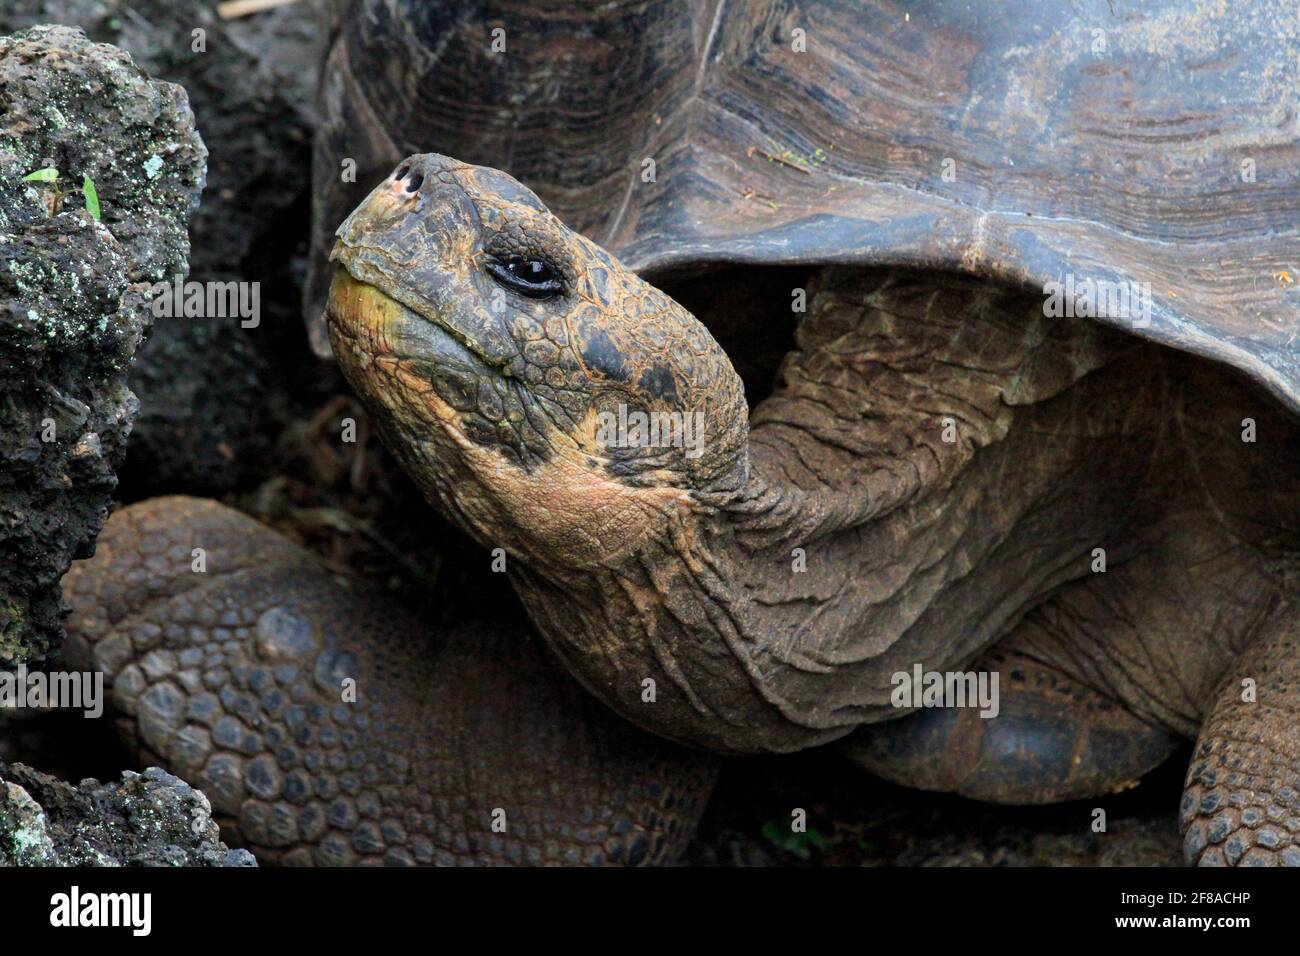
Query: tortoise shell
1031, 142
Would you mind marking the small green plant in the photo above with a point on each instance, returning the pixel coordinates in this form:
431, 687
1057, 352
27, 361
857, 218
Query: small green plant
55, 196
800, 844
92, 197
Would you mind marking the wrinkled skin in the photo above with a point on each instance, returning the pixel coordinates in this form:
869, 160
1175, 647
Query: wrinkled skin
523, 380
457, 746
945, 460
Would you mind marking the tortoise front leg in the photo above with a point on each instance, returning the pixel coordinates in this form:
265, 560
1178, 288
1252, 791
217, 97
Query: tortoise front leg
328, 727
1241, 805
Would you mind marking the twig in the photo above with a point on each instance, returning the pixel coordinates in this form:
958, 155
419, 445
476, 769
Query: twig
748, 193
234, 9
777, 159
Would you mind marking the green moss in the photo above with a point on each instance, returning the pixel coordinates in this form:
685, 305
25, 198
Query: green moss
13, 630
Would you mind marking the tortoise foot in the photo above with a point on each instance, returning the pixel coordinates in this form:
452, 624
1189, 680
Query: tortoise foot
327, 727
1241, 805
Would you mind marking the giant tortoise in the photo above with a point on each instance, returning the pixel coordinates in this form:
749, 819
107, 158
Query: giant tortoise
991, 373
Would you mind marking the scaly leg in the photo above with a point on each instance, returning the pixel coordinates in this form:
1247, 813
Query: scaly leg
1241, 806
468, 747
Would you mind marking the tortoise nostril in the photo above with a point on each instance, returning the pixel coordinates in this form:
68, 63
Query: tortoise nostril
401, 173
416, 182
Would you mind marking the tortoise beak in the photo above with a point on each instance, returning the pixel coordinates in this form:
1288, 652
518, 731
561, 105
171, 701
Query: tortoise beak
360, 312
416, 239
363, 317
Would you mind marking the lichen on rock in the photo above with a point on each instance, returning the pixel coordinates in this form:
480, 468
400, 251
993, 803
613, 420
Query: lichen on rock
74, 297
209, 403
145, 819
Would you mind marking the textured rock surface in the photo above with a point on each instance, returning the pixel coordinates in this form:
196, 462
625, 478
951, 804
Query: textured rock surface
146, 819
203, 383
73, 297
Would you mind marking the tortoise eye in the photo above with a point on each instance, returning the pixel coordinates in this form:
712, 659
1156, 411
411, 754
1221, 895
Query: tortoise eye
534, 278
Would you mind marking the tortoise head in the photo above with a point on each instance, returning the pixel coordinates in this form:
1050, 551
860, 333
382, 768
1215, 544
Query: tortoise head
544, 395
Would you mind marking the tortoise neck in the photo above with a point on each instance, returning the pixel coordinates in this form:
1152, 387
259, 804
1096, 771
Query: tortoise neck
884, 483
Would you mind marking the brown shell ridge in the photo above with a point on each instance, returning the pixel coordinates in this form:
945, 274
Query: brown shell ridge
1187, 311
